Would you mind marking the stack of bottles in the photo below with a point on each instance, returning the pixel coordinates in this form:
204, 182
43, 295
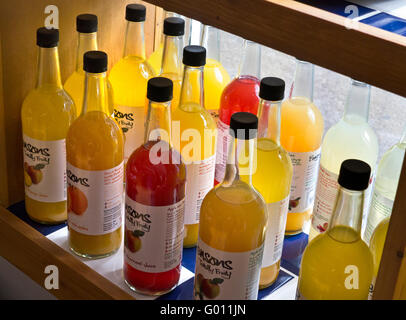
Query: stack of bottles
188, 158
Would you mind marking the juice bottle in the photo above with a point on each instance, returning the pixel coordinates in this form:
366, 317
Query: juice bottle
129, 80
95, 151
46, 114
174, 29
350, 138
337, 264
386, 184
155, 201
241, 94
194, 134
272, 175
301, 133
216, 77
232, 227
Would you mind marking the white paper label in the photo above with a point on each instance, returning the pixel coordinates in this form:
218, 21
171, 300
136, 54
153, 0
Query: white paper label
95, 200
223, 143
199, 181
224, 275
153, 236
275, 232
45, 169
131, 121
305, 169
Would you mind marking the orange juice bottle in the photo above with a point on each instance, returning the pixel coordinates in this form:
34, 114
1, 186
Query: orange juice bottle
174, 29
232, 227
46, 114
301, 133
95, 151
129, 79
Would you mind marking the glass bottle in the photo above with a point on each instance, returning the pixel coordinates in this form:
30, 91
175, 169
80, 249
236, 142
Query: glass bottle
232, 224
46, 114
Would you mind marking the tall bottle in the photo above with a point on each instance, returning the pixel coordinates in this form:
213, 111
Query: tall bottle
337, 264
232, 225
241, 94
386, 184
194, 134
172, 68
155, 201
95, 154
46, 114
351, 138
216, 77
301, 133
129, 80
272, 175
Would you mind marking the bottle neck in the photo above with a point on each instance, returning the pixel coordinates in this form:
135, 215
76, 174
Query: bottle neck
358, 100
269, 120
172, 55
251, 60
96, 93
192, 91
303, 83
211, 41
48, 68
347, 213
158, 122
134, 40
86, 42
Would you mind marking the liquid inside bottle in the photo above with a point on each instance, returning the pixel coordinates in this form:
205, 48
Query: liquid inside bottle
95, 154
301, 133
155, 201
337, 264
46, 114
233, 219
351, 138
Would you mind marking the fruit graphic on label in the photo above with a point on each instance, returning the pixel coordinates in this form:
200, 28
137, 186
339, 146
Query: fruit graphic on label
323, 227
77, 201
27, 179
208, 288
293, 203
132, 240
35, 172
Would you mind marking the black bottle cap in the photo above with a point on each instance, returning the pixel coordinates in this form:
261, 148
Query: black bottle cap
244, 125
160, 89
272, 89
135, 12
47, 38
95, 61
354, 175
194, 56
174, 26
86, 23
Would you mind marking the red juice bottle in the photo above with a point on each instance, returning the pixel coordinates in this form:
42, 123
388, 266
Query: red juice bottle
155, 201
241, 95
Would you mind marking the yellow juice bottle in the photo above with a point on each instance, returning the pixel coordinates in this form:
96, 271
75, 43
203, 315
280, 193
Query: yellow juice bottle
337, 264
95, 153
301, 134
194, 134
174, 29
216, 77
272, 175
232, 227
46, 114
129, 79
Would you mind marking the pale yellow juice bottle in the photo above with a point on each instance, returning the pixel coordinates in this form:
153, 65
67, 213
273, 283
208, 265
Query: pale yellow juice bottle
337, 264
272, 175
46, 114
129, 79
95, 154
194, 134
233, 220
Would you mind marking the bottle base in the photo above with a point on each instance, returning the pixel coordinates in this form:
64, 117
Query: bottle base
49, 223
264, 286
149, 293
93, 256
293, 233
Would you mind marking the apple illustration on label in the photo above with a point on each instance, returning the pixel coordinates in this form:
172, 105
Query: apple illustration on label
77, 201
208, 288
132, 240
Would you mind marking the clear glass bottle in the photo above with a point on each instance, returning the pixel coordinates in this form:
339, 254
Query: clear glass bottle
351, 138
337, 264
46, 114
232, 227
